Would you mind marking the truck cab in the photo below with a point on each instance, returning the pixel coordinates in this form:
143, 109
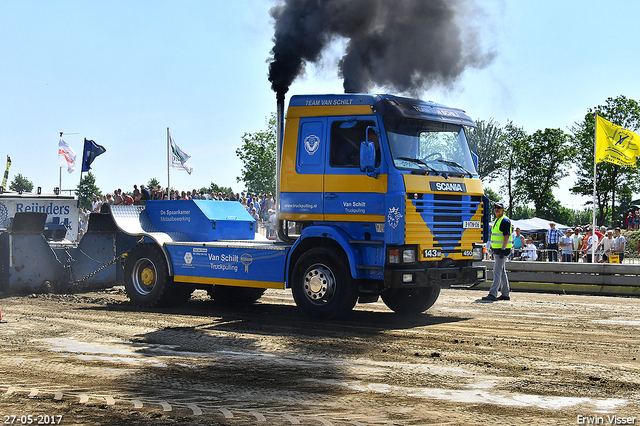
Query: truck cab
392, 183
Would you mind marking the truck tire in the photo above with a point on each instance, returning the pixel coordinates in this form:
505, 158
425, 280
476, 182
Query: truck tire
322, 285
411, 301
147, 281
225, 294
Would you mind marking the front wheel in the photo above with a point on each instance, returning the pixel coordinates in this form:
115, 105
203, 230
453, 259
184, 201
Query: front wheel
411, 301
147, 280
322, 285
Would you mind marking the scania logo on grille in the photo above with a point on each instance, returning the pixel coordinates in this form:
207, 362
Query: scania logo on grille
448, 187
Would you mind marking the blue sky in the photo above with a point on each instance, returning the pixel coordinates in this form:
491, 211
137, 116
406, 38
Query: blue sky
121, 72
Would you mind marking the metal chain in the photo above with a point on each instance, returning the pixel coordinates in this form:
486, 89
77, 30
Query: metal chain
97, 271
67, 267
71, 274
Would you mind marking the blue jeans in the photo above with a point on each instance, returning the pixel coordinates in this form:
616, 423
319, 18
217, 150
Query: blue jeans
567, 257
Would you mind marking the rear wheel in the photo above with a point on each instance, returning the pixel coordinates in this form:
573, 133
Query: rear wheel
411, 301
235, 295
147, 280
322, 285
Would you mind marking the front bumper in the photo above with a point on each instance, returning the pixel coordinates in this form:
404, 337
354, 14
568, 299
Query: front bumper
457, 277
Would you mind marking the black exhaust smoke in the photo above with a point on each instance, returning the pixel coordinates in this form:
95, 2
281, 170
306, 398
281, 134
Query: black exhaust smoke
407, 46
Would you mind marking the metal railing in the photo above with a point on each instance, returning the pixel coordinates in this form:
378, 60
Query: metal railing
570, 277
544, 255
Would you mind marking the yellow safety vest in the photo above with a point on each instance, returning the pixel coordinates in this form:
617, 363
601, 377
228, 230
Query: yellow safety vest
497, 238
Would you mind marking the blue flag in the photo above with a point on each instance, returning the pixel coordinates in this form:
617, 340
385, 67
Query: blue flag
91, 151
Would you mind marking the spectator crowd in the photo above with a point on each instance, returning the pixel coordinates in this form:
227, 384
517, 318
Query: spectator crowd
632, 221
261, 208
571, 245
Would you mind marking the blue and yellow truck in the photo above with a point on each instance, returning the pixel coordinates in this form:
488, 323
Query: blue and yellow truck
378, 196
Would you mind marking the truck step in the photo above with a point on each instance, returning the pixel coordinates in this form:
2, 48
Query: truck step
366, 242
378, 267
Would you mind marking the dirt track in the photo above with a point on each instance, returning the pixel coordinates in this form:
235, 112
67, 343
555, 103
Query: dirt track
540, 359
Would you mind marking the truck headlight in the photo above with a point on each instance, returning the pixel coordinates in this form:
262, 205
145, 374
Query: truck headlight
477, 253
402, 255
408, 256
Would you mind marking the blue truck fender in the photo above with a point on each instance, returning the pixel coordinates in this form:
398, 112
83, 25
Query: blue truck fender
167, 256
335, 235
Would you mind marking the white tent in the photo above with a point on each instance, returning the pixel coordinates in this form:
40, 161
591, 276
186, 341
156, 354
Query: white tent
535, 225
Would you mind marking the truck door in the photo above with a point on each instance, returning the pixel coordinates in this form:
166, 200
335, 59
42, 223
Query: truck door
349, 194
302, 171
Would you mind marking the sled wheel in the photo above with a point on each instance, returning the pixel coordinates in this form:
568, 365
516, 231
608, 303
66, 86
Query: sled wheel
147, 281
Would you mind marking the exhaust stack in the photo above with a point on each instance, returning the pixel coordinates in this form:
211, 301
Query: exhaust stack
279, 140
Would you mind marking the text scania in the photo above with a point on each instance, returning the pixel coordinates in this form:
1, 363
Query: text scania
42, 208
448, 186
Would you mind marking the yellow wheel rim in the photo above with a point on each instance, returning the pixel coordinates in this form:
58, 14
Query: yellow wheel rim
147, 276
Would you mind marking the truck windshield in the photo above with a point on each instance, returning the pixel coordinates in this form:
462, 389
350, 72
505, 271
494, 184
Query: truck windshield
429, 146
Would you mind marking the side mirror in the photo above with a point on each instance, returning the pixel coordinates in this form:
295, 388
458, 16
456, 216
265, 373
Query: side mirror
368, 158
475, 159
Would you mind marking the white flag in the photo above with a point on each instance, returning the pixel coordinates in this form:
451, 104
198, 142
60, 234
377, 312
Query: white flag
179, 158
66, 156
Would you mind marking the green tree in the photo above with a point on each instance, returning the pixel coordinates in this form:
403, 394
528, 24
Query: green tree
610, 178
493, 197
579, 217
542, 159
153, 182
511, 137
522, 212
86, 190
215, 189
489, 144
554, 211
21, 184
258, 155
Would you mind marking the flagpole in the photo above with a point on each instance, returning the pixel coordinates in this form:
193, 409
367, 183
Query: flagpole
60, 183
168, 156
84, 147
595, 148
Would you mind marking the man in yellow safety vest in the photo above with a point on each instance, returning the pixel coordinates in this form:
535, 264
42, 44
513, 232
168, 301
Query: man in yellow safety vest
501, 246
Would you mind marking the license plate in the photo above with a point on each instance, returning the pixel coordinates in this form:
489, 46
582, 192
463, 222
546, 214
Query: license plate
432, 253
473, 224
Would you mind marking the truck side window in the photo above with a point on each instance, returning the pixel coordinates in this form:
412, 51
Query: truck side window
346, 137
